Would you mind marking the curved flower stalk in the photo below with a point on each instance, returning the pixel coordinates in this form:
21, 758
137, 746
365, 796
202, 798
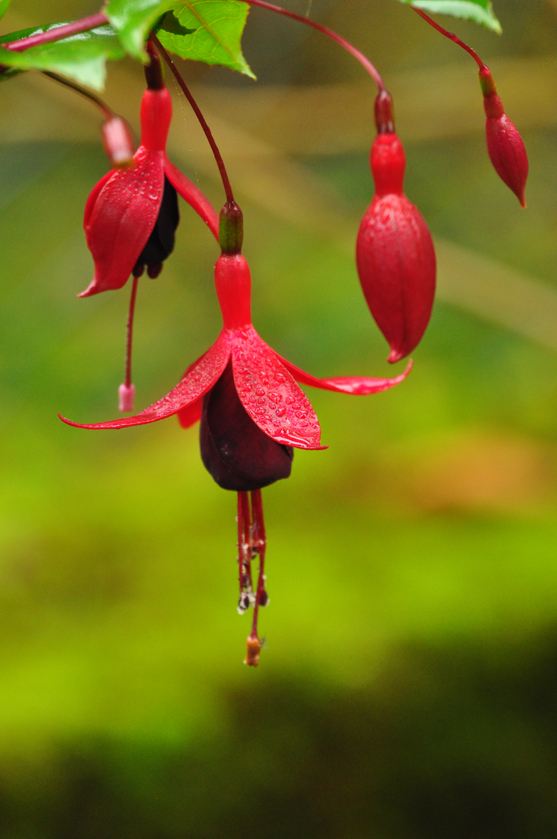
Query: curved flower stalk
131, 214
252, 411
505, 146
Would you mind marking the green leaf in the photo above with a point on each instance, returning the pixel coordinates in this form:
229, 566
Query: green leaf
80, 57
4, 7
480, 11
218, 26
169, 23
134, 19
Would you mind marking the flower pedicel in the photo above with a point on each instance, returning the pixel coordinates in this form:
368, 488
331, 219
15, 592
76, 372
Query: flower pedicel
252, 412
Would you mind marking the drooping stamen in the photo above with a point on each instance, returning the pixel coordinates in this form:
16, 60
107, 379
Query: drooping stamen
126, 392
245, 553
211, 140
359, 56
261, 599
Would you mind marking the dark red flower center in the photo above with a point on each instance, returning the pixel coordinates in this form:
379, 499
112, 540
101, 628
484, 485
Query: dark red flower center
238, 455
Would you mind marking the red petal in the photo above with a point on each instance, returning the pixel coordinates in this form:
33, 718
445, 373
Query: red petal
193, 196
94, 194
270, 395
197, 380
355, 385
121, 219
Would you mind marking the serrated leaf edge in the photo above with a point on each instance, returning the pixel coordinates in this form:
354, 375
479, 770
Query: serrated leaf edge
242, 62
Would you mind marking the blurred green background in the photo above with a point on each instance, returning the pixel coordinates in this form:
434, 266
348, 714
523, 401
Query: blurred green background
409, 690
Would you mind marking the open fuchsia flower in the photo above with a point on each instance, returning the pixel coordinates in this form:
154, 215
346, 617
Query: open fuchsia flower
252, 412
394, 250
131, 214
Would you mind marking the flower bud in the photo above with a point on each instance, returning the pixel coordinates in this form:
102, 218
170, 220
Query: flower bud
118, 142
394, 253
237, 454
504, 143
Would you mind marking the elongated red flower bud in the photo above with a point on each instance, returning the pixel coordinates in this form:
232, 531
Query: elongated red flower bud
394, 249
118, 142
504, 143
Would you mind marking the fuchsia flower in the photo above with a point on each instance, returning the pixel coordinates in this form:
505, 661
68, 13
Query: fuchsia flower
504, 144
131, 214
394, 250
252, 413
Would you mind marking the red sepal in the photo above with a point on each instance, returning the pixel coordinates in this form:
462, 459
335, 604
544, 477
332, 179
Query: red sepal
270, 395
197, 380
193, 196
355, 385
119, 222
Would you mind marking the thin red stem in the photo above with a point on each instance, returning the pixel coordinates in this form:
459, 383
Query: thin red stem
58, 32
450, 35
364, 61
128, 379
96, 100
200, 117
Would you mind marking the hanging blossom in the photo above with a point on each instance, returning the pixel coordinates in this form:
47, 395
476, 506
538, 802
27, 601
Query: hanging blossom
252, 411
394, 249
131, 214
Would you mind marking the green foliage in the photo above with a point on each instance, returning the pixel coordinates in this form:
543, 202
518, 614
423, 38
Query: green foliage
134, 19
480, 11
217, 30
169, 23
80, 57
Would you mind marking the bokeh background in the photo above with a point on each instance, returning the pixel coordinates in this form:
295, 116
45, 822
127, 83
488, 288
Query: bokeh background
409, 689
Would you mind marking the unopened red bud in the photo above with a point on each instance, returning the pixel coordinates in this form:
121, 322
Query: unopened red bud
395, 254
118, 142
504, 143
